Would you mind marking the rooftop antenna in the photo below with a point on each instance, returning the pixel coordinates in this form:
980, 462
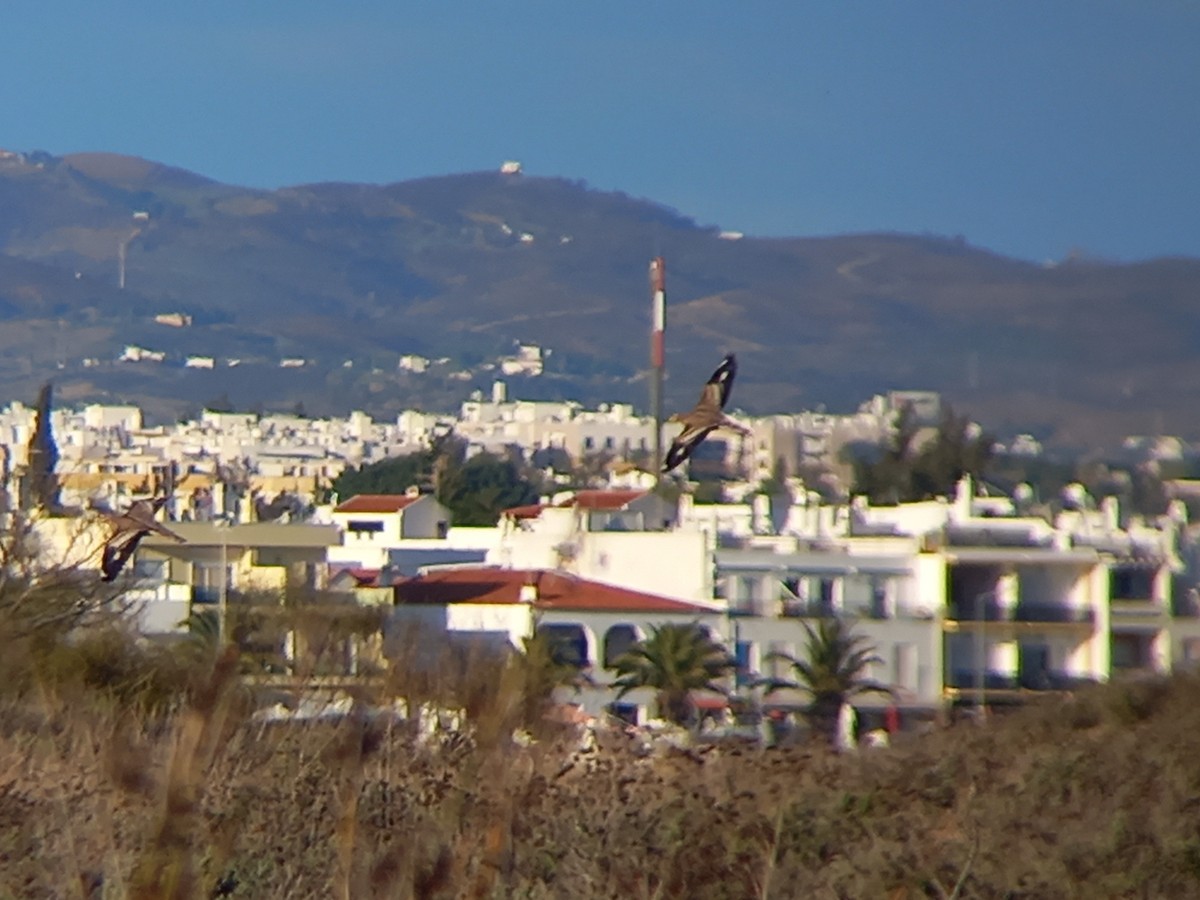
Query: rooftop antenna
658, 294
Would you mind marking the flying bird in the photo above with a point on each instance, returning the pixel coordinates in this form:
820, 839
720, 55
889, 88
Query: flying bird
708, 414
129, 528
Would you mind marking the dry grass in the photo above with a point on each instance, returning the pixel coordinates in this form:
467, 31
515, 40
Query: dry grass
102, 796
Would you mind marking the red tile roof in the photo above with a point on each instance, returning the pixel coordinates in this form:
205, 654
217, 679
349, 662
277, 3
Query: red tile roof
363, 577
586, 499
603, 499
531, 511
376, 503
556, 590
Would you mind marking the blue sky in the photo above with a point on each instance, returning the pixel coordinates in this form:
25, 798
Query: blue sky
1030, 128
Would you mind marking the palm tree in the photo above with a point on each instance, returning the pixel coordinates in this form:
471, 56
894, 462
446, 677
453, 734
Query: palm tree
833, 672
674, 660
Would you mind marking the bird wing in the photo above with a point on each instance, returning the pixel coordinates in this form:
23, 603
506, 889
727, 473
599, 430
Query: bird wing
117, 551
143, 510
141, 515
716, 391
683, 445
166, 532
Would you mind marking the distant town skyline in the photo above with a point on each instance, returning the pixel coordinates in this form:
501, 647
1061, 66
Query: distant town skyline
1032, 129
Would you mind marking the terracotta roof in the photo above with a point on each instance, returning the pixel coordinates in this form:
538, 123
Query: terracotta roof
603, 499
363, 577
556, 590
531, 511
375, 503
586, 499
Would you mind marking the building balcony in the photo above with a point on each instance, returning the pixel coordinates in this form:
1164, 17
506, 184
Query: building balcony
754, 606
1131, 612
1026, 611
807, 609
1052, 681
968, 679
970, 610
1052, 612
1185, 607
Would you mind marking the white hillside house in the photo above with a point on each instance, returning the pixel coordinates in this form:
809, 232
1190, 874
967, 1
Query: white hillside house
373, 524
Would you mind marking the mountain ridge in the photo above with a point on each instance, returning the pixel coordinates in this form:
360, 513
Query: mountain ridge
467, 265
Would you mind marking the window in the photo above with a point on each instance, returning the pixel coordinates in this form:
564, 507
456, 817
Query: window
827, 585
879, 598
625, 712
207, 582
568, 644
1131, 583
1033, 665
365, 530
618, 641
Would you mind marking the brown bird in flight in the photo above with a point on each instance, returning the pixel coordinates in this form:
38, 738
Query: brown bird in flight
708, 414
129, 528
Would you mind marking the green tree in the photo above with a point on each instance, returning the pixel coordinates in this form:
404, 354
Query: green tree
905, 472
477, 491
388, 476
43, 457
959, 448
674, 660
833, 671
887, 478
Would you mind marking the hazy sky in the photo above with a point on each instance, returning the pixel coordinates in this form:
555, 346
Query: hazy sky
1031, 128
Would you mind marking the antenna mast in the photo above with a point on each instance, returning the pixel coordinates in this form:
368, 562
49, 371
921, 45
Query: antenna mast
658, 295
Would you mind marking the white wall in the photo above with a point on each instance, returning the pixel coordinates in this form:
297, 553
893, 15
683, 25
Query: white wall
160, 610
672, 564
420, 519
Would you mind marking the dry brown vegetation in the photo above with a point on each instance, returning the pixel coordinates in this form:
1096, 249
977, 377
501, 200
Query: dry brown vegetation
145, 780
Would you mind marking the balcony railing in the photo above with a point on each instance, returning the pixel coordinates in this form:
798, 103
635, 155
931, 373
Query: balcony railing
973, 611
1052, 612
808, 609
992, 681
1024, 611
1052, 681
968, 679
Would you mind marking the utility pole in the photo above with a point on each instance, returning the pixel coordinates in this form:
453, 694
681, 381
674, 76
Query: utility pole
658, 327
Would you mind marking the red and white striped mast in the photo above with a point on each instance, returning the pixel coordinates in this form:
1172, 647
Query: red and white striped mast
658, 327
